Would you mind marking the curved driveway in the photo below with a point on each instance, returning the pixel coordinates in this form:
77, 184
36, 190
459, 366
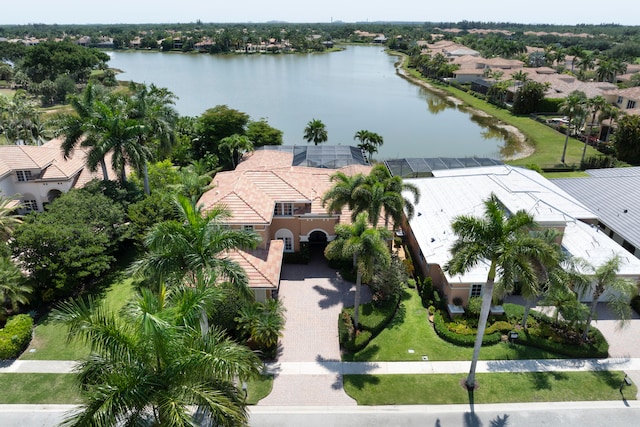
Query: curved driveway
313, 295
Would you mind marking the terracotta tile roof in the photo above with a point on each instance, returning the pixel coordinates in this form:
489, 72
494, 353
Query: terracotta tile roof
262, 266
49, 159
630, 92
252, 189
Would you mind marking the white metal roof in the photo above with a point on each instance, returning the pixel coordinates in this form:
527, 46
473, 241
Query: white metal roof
451, 193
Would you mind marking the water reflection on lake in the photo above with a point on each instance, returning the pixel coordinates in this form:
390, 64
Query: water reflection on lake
350, 90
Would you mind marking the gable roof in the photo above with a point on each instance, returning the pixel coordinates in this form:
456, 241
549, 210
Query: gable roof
252, 189
262, 266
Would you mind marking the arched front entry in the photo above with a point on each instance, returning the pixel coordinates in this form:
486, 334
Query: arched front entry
318, 237
53, 194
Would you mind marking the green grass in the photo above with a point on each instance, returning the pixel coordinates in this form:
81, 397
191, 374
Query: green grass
259, 388
50, 338
548, 142
493, 388
410, 329
574, 174
38, 388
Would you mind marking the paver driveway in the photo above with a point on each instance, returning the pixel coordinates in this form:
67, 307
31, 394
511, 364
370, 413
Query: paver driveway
313, 295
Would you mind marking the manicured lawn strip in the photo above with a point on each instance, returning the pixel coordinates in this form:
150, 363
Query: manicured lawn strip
494, 388
259, 388
574, 174
50, 338
38, 388
410, 329
547, 141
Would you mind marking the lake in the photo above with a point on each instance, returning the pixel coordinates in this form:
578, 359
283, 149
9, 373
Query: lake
351, 90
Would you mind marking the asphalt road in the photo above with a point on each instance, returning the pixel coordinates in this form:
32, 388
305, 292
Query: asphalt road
583, 414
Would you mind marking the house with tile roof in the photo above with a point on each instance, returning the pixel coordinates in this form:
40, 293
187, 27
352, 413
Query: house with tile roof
280, 202
453, 192
36, 175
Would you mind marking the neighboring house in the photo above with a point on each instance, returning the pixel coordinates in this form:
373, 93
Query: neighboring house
450, 193
36, 175
280, 202
625, 99
614, 194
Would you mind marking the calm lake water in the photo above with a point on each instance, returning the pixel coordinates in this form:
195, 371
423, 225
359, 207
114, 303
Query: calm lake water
351, 90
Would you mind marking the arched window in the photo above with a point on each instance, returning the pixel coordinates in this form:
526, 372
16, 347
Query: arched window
287, 237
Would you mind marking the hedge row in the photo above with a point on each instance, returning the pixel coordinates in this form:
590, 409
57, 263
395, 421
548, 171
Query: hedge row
372, 319
459, 339
598, 347
16, 336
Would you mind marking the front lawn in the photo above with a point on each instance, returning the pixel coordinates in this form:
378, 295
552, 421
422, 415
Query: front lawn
50, 338
411, 330
38, 388
493, 388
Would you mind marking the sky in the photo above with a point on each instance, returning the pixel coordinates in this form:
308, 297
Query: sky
569, 12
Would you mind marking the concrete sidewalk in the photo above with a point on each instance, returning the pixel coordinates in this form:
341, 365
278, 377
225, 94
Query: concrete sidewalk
382, 368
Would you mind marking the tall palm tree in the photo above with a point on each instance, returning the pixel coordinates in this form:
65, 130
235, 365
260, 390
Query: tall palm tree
315, 132
153, 108
341, 194
572, 107
504, 241
74, 127
369, 141
158, 363
194, 242
594, 104
365, 246
612, 113
546, 265
605, 279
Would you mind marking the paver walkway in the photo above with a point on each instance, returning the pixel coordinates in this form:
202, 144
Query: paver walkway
313, 295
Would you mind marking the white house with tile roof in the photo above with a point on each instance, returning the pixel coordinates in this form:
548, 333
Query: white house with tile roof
450, 193
36, 175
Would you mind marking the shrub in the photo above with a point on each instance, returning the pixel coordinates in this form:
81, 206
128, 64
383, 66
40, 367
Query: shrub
475, 306
15, 336
411, 283
457, 301
499, 326
466, 340
373, 319
597, 348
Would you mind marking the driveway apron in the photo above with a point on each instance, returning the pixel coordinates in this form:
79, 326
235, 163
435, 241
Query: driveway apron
313, 296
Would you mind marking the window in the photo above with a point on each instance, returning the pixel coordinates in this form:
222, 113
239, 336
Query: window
23, 176
287, 237
619, 101
248, 228
283, 209
30, 205
476, 290
631, 104
288, 244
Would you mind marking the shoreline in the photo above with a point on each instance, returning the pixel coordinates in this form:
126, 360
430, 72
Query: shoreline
523, 148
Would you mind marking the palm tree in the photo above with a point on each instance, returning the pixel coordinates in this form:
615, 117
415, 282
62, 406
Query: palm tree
263, 322
572, 107
315, 132
505, 242
369, 141
612, 113
13, 290
236, 145
367, 249
194, 242
153, 108
75, 127
157, 363
341, 194
8, 219
605, 279
594, 104
577, 52
380, 191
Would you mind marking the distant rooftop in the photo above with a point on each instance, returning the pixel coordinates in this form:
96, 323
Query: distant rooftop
424, 167
322, 156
